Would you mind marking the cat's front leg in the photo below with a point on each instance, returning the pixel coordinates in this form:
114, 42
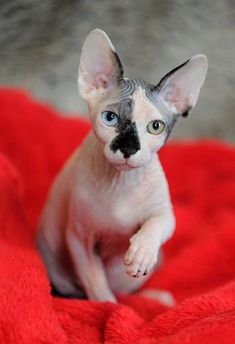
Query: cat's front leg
142, 254
88, 266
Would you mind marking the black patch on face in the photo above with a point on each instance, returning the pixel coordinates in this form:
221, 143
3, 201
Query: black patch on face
127, 141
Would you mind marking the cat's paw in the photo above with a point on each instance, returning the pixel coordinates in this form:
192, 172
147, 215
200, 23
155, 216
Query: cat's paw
141, 256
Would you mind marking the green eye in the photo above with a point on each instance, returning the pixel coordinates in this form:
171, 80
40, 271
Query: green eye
156, 127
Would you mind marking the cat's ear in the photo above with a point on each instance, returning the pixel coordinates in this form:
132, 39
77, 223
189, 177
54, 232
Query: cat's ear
100, 68
180, 88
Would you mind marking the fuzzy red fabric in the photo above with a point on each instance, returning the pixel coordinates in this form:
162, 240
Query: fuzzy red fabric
199, 265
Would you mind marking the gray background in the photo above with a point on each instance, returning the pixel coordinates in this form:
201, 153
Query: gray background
40, 44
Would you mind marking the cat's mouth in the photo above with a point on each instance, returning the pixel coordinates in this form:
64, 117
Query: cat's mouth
125, 166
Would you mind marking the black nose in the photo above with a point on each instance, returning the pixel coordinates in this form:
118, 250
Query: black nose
127, 141
129, 150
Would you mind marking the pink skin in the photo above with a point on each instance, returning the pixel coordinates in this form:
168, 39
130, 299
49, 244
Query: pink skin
106, 217
86, 188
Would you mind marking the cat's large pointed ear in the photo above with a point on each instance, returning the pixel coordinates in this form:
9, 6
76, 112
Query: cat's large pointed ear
180, 88
100, 68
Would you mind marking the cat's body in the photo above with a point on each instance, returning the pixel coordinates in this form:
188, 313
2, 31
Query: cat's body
110, 207
109, 210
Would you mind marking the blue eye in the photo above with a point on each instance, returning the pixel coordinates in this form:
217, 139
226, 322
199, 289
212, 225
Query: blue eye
109, 118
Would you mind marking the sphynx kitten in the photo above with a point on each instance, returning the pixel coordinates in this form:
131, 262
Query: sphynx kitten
109, 210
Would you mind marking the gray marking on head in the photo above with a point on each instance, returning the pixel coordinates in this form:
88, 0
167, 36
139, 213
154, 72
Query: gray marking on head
168, 118
128, 87
123, 109
124, 106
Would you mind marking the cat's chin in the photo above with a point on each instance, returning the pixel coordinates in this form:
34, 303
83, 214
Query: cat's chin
124, 167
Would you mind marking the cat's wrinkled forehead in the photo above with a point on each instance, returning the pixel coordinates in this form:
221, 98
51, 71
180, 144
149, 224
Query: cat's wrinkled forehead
128, 86
136, 100
132, 93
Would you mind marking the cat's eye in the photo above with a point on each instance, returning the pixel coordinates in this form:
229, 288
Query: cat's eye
109, 118
156, 127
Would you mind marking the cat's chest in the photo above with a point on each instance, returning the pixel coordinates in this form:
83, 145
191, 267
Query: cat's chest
113, 205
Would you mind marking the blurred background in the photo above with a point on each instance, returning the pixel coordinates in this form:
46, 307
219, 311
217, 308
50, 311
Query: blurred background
40, 45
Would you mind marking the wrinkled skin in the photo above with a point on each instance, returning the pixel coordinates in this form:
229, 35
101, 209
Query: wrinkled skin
109, 210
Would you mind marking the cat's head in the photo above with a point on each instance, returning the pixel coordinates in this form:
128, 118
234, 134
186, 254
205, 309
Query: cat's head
133, 118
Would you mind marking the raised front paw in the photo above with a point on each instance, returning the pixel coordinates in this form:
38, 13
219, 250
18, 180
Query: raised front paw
141, 256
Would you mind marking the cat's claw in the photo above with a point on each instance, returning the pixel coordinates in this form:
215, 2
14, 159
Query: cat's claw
141, 256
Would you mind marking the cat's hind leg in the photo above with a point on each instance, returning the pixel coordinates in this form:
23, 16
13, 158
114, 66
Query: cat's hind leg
58, 270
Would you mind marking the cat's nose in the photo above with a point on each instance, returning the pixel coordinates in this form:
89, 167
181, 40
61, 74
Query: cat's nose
127, 141
128, 151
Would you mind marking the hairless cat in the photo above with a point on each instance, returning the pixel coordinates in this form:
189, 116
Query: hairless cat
109, 210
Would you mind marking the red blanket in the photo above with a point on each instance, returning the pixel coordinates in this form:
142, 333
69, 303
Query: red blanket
199, 267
